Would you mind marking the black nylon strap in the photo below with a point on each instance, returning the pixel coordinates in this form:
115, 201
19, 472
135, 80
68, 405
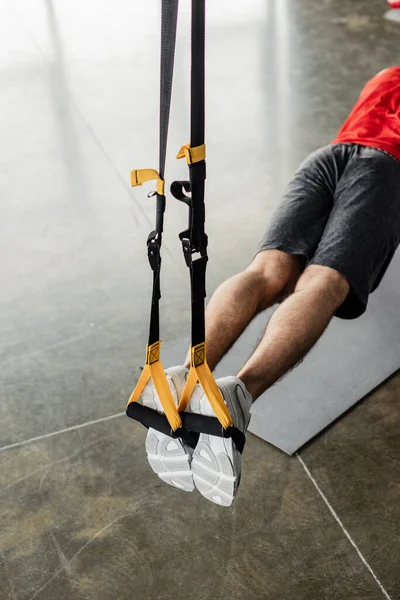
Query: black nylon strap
169, 16
151, 418
154, 256
210, 425
198, 285
194, 239
192, 425
198, 238
197, 100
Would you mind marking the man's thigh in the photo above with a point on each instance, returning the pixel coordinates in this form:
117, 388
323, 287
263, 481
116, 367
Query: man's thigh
300, 219
363, 229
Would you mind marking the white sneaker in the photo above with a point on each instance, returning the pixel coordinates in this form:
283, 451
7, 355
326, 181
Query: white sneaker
216, 462
169, 457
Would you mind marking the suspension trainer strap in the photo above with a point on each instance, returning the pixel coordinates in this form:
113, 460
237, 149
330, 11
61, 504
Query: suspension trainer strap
153, 368
176, 422
169, 16
194, 239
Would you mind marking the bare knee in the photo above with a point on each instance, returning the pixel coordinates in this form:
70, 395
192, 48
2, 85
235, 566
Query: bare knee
331, 284
275, 275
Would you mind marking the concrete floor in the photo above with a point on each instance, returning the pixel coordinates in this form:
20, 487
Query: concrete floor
81, 514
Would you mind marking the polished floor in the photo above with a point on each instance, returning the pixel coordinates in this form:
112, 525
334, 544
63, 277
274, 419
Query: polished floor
81, 514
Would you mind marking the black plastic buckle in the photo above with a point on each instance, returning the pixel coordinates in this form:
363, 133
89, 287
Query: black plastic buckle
190, 248
187, 249
153, 250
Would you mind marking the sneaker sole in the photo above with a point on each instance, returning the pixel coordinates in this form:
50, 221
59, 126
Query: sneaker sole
168, 457
169, 460
215, 469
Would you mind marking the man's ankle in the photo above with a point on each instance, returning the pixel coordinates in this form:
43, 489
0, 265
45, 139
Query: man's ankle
248, 386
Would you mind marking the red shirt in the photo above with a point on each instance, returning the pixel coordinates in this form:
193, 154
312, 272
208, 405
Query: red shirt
375, 119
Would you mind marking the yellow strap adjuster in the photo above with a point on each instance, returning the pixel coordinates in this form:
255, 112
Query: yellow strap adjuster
139, 176
192, 155
154, 370
200, 372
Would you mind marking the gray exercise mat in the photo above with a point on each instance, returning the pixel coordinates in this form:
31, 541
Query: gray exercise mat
350, 360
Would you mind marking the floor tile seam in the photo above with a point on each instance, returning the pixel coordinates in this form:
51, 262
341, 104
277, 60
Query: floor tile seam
46, 436
342, 527
101, 327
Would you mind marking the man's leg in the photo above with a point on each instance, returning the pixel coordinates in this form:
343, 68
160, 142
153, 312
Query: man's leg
295, 327
270, 276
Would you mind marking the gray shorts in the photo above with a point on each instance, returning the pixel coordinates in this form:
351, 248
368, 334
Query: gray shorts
342, 210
